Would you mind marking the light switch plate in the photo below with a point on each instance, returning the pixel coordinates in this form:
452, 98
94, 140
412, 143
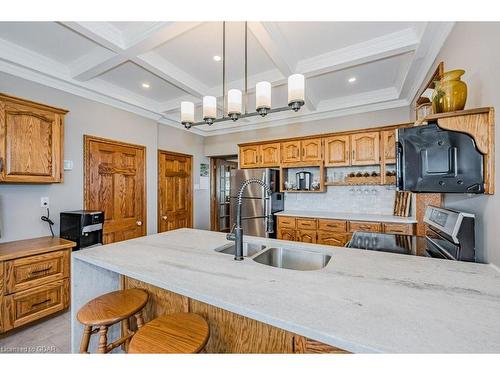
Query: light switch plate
68, 165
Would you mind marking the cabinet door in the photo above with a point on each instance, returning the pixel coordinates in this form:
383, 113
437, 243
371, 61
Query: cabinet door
286, 234
312, 149
250, 156
32, 150
308, 236
290, 152
365, 148
270, 154
388, 146
332, 238
337, 151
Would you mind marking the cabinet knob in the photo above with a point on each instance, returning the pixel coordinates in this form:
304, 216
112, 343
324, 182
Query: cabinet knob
164, 217
139, 223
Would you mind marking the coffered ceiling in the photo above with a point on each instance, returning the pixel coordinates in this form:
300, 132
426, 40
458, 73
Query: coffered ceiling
150, 67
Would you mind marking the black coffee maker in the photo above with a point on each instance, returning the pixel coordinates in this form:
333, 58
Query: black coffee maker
83, 227
303, 180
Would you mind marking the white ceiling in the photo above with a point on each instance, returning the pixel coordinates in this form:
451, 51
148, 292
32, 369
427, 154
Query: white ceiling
109, 62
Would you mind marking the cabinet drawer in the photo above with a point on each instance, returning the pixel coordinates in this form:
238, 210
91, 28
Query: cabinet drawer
332, 238
306, 224
286, 222
365, 226
26, 273
398, 228
332, 225
32, 304
308, 236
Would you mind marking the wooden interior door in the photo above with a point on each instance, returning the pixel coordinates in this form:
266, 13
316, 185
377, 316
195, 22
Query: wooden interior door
365, 148
175, 195
115, 175
337, 151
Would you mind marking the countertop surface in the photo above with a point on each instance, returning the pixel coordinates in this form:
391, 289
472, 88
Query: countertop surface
32, 246
348, 216
362, 301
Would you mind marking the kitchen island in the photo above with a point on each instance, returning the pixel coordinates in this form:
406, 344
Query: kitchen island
361, 302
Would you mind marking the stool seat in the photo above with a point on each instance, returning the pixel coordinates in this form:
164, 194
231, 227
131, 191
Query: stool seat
179, 333
112, 307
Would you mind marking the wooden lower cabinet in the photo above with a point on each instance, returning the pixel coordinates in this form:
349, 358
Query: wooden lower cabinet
333, 232
229, 332
332, 238
34, 280
308, 236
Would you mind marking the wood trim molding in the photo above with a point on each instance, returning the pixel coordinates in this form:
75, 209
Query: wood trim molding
33, 104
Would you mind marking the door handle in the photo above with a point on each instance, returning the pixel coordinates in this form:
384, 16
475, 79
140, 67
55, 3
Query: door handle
164, 217
139, 223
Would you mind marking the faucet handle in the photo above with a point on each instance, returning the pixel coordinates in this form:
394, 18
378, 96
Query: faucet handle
231, 235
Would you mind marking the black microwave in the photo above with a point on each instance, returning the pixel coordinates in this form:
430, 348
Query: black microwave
434, 160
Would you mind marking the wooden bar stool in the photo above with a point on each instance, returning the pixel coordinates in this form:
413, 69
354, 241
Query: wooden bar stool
179, 333
108, 309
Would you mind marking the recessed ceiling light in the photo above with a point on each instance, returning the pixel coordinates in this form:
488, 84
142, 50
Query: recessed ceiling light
145, 85
352, 79
217, 58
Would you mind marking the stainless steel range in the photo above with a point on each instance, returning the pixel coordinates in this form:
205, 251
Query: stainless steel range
450, 235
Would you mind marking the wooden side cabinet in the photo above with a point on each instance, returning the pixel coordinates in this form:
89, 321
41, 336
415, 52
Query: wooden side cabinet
31, 141
34, 280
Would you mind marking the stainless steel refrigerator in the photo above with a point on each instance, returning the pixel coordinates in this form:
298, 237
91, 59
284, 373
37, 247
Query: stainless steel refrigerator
253, 203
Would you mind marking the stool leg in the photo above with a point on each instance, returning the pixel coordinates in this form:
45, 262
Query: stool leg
125, 332
84, 346
140, 320
103, 339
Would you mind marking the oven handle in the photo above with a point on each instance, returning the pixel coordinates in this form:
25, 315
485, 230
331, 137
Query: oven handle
399, 163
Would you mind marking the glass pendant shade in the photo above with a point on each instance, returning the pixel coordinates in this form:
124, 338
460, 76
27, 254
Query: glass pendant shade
263, 95
296, 88
209, 107
234, 100
187, 112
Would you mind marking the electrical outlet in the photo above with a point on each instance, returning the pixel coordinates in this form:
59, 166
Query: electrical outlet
44, 202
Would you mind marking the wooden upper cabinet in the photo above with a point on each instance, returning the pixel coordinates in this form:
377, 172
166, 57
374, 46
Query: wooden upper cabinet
249, 156
270, 154
263, 155
290, 152
337, 151
312, 149
388, 146
365, 148
31, 141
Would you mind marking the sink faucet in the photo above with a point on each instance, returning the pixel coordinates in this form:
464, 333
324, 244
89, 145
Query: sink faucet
236, 233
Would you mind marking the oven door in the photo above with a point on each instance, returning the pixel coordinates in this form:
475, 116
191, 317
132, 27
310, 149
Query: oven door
439, 247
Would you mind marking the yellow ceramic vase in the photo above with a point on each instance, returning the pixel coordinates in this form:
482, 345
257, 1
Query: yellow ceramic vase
453, 91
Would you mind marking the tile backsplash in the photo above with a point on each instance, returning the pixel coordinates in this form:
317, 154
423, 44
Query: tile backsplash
367, 199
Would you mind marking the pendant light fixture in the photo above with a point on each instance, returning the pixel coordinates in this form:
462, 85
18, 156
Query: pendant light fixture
234, 110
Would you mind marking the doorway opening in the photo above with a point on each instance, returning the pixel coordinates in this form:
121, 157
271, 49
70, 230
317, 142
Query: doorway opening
221, 167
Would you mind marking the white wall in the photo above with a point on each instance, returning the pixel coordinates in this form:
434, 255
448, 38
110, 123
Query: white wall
20, 203
474, 47
227, 144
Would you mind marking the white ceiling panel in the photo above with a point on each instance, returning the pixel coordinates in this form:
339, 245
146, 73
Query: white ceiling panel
51, 40
130, 76
388, 59
374, 76
309, 39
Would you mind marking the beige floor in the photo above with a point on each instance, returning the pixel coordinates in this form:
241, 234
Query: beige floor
50, 336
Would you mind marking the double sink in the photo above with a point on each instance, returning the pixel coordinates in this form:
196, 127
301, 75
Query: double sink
281, 257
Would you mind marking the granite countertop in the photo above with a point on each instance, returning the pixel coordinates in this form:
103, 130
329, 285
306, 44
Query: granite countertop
362, 301
348, 216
